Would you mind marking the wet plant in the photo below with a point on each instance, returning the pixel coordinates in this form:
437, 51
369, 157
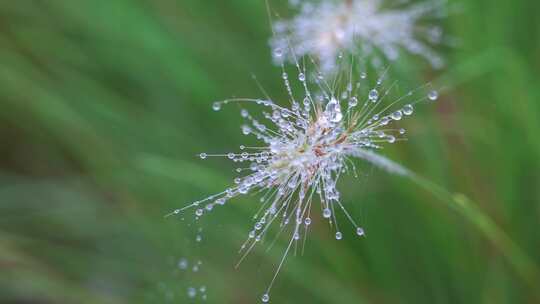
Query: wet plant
306, 146
374, 29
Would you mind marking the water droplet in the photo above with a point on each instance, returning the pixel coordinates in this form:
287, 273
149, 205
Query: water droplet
307, 221
216, 106
333, 111
391, 139
402, 131
433, 95
244, 113
360, 231
397, 115
265, 298
183, 264
302, 77
203, 155
192, 292
363, 75
327, 213
243, 190
198, 238
339, 235
353, 101
278, 52
407, 109
373, 95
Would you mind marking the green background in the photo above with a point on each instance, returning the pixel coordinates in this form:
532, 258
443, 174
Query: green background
105, 103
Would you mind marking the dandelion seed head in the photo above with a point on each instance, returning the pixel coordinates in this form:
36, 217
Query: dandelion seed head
303, 150
370, 28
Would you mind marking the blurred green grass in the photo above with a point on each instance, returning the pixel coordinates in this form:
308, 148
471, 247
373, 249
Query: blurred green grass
104, 105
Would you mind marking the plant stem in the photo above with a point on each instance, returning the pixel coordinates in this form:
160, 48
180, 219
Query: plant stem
521, 263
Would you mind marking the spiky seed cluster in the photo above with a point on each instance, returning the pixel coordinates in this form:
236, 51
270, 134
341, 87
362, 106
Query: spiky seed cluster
363, 27
305, 149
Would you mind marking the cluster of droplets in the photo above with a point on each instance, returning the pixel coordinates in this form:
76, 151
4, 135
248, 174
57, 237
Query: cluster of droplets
327, 28
304, 150
192, 266
184, 265
184, 282
192, 292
